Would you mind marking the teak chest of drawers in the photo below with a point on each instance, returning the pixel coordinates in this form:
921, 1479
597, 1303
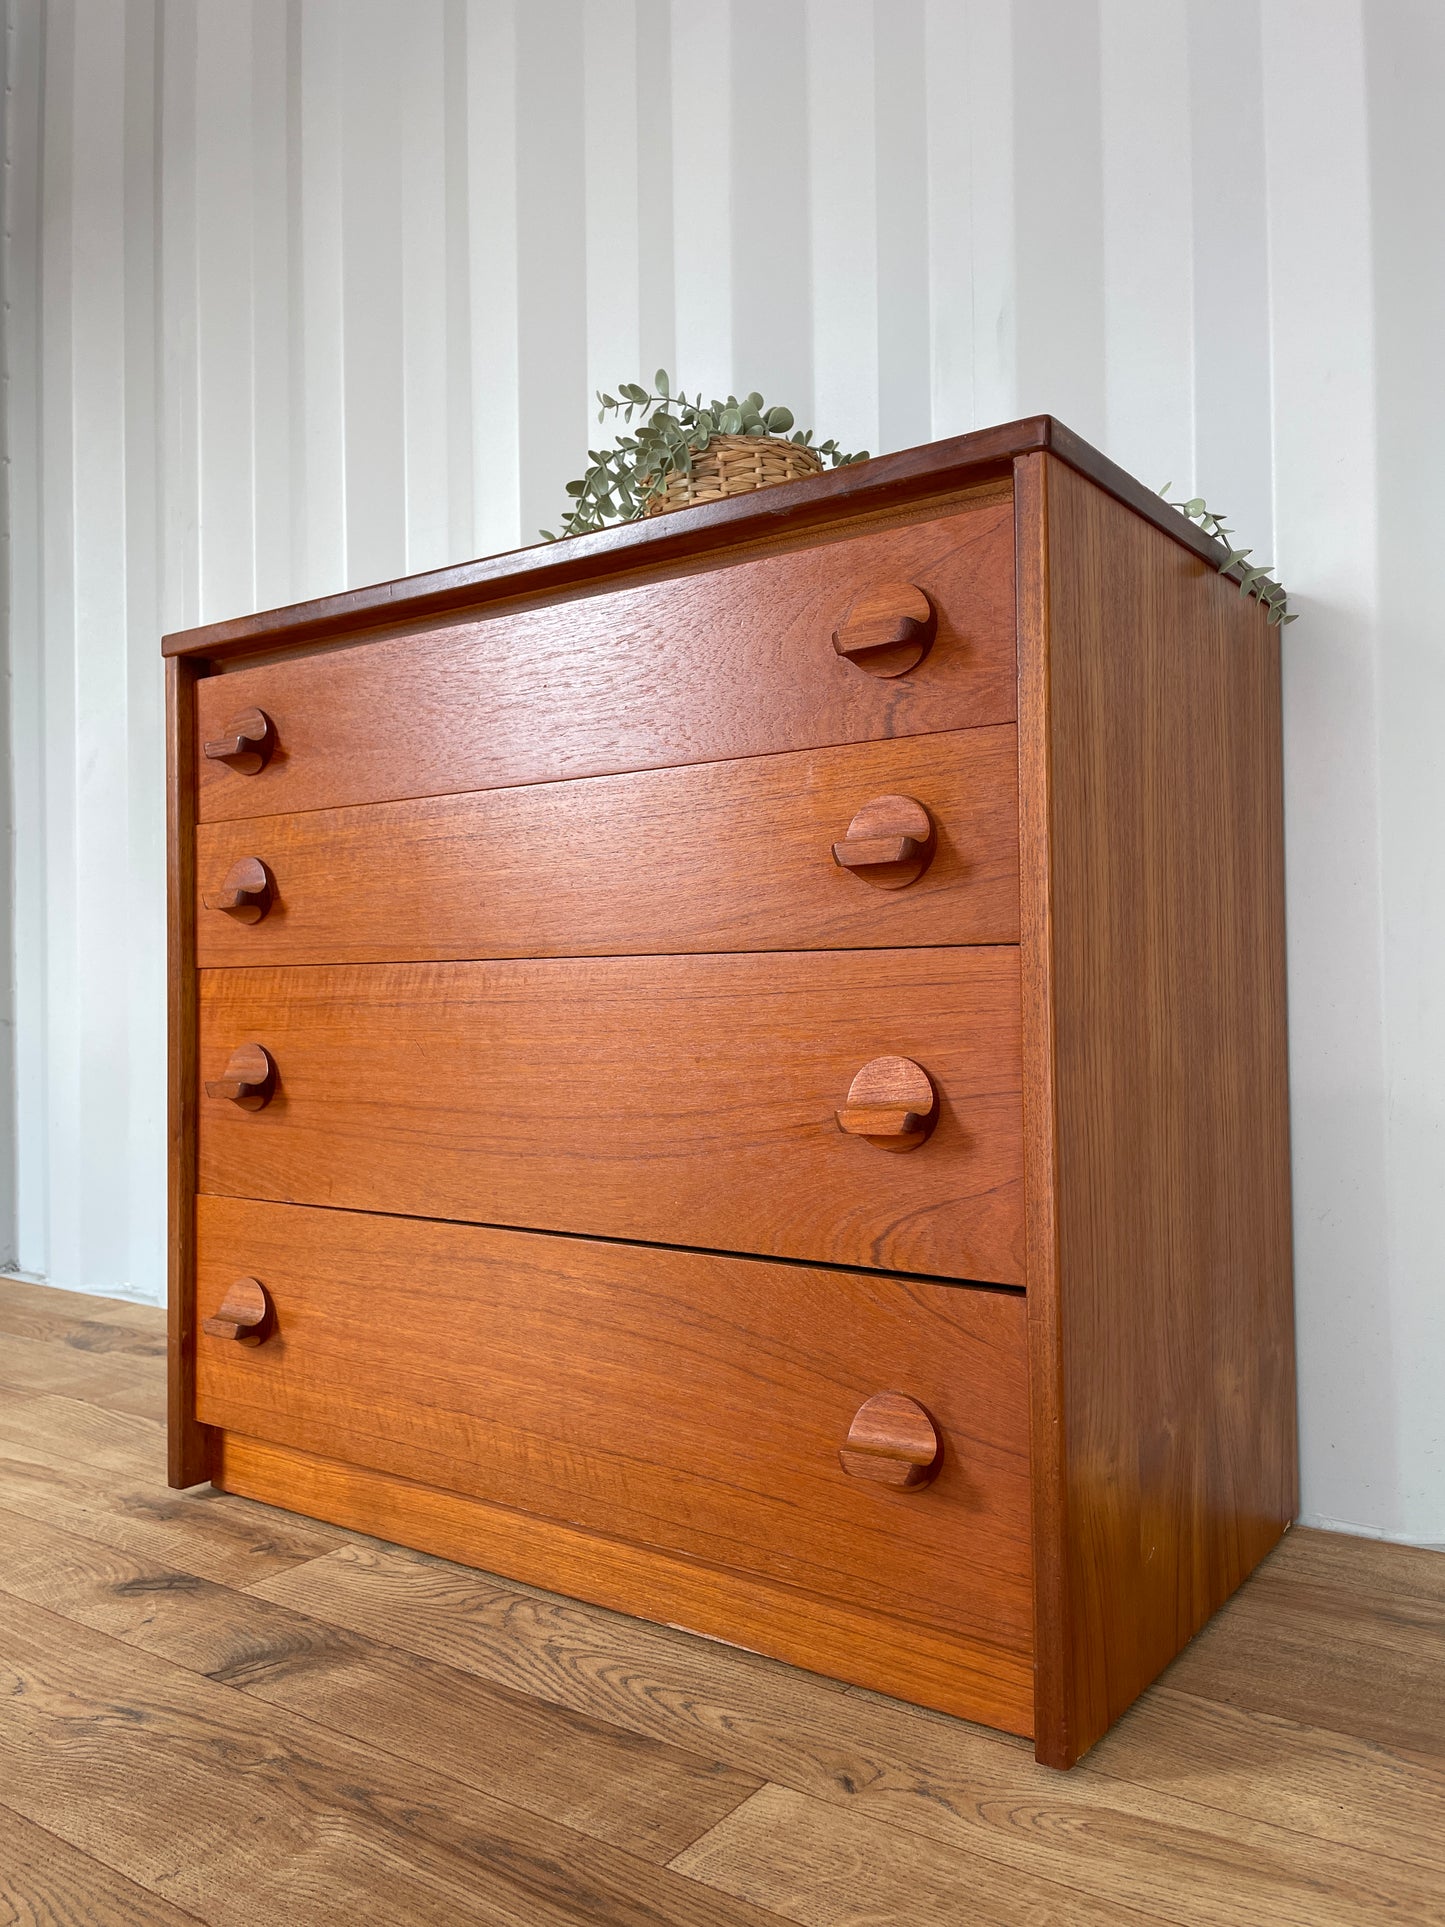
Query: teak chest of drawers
735, 1068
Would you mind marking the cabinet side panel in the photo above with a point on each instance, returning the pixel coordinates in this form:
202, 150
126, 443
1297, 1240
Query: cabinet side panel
188, 1455
1171, 1102
1053, 1717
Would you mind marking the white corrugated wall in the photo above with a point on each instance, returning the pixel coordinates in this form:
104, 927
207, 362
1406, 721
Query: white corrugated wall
303, 293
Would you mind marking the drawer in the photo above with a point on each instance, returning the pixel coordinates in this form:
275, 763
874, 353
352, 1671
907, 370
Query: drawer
705, 667
677, 1400
717, 856
682, 1100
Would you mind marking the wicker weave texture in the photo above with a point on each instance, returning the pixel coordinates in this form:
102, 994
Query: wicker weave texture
736, 465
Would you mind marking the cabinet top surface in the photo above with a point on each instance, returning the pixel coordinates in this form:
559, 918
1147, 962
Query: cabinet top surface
790, 509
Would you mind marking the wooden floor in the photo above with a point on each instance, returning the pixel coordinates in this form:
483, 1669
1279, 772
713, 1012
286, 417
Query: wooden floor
211, 1711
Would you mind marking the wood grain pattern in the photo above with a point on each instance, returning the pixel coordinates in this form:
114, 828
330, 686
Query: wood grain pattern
244, 1812
711, 857
685, 1100
905, 1658
189, 1446
1136, 1840
647, 1796
822, 1867
796, 512
738, 661
1163, 1341
216, 1538
702, 1409
46, 1883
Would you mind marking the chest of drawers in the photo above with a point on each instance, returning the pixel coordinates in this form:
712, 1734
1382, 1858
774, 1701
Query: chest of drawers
735, 1068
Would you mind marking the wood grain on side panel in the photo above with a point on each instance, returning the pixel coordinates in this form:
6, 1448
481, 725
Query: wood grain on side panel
681, 1100
966, 1677
701, 1407
188, 1447
1162, 909
736, 661
712, 857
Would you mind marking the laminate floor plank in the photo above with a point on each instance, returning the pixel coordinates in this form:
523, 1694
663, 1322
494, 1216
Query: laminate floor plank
817, 1865
85, 1434
45, 1882
1322, 1784
41, 1365
211, 1710
232, 1541
1354, 1658
49, 1301
81, 1334
244, 1813
969, 1789
640, 1794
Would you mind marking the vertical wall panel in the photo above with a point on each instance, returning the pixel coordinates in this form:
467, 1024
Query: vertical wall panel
1404, 59
842, 112
772, 320
371, 292
23, 1171
905, 397
1148, 239
984, 95
492, 238
702, 240
1231, 267
1058, 213
613, 272
272, 165
302, 293
551, 280
321, 321
225, 284
948, 125
424, 287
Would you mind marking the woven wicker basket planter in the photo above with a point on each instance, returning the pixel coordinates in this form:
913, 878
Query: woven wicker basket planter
735, 465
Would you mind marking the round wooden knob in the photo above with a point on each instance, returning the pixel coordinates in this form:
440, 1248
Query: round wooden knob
888, 629
249, 1080
890, 842
247, 892
244, 1314
892, 1103
892, 1441
247, 743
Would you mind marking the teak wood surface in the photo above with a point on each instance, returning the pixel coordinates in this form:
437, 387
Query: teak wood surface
738, 661
1113, 1127
912, 481
1157, 1107
217, 1712
681, 1100
711, 857
680, 1400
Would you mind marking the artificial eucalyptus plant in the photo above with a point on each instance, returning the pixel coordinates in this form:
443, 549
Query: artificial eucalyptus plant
671, 431
1255, 582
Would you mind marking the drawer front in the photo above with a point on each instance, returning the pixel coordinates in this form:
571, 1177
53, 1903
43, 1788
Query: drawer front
682, 1100
677, 1400
726, 663
718, 856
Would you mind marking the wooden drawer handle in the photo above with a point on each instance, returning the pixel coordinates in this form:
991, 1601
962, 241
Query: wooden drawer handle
247, 744
892, 1103
247, 891
889, 843
243, 1314
888, 629
892, 1441
250, 1078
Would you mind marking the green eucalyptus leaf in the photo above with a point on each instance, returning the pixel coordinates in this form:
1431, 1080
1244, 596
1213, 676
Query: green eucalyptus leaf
659, 381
